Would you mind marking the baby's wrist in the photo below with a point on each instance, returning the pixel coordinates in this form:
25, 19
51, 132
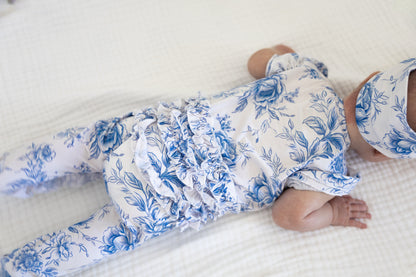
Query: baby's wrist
334, 213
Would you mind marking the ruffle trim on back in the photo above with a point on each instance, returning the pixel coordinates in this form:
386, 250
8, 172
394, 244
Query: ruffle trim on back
187, 161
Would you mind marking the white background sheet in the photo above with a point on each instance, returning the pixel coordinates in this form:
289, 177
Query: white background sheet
69, 63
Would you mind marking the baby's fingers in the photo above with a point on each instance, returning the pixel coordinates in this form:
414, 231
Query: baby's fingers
360, 214
362, 207
356, 223
357, 201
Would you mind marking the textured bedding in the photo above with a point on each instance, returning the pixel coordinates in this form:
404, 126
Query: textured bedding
70, 63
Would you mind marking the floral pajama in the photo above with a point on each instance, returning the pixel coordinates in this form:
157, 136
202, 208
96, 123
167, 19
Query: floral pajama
70, 154
185, 163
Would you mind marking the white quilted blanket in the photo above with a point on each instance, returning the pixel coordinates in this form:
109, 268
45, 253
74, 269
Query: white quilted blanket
66, 63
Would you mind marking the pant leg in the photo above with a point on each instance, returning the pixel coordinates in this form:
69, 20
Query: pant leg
103, 234
34, 168
74, 248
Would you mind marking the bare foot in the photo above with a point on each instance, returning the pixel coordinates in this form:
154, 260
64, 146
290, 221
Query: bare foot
281, 49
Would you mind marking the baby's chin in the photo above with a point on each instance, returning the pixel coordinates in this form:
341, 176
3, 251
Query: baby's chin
374, 156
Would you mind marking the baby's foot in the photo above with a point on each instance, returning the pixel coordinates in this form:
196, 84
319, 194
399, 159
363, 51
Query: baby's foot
281, 49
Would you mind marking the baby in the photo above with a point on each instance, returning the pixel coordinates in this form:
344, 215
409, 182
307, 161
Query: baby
277, 142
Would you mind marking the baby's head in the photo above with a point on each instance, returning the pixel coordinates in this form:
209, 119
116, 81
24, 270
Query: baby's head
381, 114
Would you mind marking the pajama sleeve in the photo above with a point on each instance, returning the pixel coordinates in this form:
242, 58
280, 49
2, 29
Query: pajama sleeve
280, 63
330, 183
329, 177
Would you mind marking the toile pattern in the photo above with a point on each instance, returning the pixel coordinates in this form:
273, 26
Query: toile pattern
182, 164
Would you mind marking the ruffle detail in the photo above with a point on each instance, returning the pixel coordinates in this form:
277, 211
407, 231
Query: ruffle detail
187, 156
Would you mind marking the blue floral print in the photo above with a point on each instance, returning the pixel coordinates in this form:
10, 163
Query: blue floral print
280, 64
34, 161
402, 142
69, 249
83, 168
190, 163
338, 164
381, 112
265, 94
117, 238
106, 136
262, 191
371, 98
311, 73
323, 126
140, 198
27, 260
59, 247
71, 135
399, 145
182, 164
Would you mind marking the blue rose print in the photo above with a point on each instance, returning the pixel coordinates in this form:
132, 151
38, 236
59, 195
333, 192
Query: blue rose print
117, 238
400, 144
266, 94
261, 192
28, 260
107, 135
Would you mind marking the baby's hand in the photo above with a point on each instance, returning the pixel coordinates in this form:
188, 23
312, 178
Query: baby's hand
348, 211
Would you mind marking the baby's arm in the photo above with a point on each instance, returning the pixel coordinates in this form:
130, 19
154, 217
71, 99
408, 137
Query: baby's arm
310, 210
258, 61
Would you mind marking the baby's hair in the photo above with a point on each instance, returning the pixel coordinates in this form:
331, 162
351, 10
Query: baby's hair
411, 100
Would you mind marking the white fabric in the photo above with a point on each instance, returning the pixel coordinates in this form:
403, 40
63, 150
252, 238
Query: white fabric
67, 63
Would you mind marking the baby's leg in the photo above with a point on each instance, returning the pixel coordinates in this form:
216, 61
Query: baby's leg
74, 248
33, 169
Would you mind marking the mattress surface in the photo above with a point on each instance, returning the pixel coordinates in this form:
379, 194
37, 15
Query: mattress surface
70, 63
